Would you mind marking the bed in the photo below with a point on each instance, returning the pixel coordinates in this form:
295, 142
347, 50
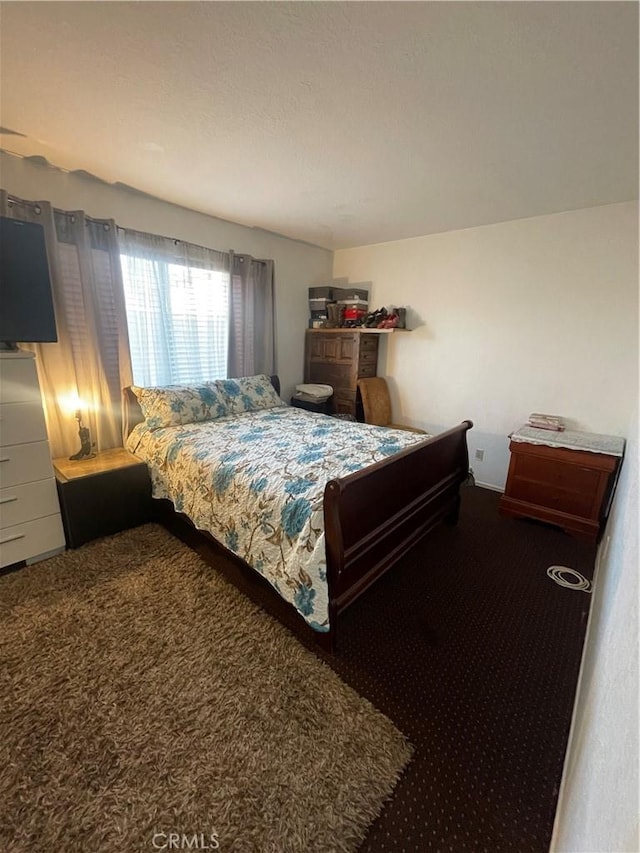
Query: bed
318, 506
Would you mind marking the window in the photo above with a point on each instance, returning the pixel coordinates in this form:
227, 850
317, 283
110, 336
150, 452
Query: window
178, 320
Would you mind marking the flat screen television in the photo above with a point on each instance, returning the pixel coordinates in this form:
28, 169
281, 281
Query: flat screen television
26, 302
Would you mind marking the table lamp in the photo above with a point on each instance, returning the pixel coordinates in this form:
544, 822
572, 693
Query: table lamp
84, 435
72, 403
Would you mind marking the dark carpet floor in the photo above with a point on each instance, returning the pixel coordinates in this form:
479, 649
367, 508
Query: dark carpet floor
473, 651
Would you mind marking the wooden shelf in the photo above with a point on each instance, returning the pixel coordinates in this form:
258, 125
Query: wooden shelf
359, 331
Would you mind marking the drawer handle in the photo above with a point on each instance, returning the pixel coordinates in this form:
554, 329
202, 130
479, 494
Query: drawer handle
8, 500
12, 538
5, 459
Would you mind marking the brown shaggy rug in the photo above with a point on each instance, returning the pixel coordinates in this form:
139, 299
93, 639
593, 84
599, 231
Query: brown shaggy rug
142, 695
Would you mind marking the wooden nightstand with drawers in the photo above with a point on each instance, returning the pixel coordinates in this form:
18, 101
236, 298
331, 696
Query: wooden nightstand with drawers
564, 478
103, 494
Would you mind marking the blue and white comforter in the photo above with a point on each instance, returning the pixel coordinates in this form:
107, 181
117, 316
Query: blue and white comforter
256, 481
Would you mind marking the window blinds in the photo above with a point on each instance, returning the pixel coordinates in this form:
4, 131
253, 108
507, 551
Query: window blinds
177, 300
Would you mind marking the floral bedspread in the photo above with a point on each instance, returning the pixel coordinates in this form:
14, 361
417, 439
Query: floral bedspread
255, 481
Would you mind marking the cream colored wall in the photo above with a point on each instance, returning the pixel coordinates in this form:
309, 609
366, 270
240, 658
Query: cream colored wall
297, 265
532, 315
599, 796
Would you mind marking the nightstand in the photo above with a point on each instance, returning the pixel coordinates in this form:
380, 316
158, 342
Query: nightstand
102, 495
564, 478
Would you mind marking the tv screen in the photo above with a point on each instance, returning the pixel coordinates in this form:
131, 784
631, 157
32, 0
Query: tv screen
26, 303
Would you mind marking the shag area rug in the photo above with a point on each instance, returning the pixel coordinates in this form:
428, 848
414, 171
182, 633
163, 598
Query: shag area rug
145, 704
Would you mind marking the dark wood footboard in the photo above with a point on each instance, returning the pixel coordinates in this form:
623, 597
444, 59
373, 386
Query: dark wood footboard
374, 516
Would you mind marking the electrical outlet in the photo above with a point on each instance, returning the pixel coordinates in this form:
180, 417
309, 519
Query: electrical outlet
480, 455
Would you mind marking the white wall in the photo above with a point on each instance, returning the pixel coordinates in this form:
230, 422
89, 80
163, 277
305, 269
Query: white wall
297, 265
599, 797
532, 315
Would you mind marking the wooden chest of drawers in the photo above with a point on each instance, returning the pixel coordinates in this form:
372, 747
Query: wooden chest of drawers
569, 487
339, 358
30, 523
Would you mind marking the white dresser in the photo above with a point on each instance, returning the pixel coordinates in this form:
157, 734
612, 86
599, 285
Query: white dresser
30, 523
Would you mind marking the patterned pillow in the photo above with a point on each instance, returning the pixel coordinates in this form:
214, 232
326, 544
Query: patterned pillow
249, 394
171, 405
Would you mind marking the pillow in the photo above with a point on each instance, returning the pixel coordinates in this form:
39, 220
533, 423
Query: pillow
249, 394
171, 405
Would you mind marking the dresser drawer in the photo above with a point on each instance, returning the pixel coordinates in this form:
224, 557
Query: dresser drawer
19, 381
366, 370
31, 539
24, 463
554, 497
574, 478
27, 502
369, 344
21, 423
368, 357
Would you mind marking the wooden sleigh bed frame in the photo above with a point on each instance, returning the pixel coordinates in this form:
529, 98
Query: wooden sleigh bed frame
372, 518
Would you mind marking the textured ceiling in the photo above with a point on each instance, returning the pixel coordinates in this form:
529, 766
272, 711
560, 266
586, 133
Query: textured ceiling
340, 124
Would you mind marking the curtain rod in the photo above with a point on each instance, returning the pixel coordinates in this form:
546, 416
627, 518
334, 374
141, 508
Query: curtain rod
71, 214
106, 224
37, 206
175, 240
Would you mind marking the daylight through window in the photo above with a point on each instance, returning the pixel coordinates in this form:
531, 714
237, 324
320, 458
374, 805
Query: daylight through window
178, 320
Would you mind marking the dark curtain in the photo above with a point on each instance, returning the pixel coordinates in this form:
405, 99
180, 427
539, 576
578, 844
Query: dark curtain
252, 331
90, 364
